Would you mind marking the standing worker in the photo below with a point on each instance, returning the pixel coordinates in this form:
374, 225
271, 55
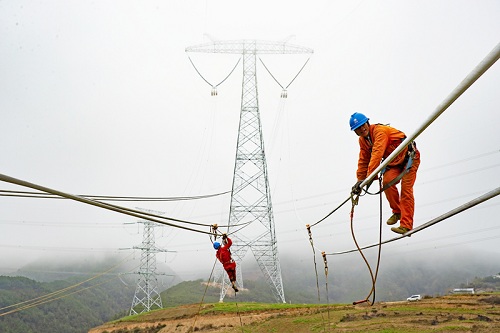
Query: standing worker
224, 256
376, 142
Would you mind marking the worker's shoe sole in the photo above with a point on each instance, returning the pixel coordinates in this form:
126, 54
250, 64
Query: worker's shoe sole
400, 230
235, 289
393, 219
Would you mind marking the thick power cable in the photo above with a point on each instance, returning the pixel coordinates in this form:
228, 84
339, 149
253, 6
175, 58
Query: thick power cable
118, 209
464, 207
475, 74
114, 207
167, 218
479, 70
27, 194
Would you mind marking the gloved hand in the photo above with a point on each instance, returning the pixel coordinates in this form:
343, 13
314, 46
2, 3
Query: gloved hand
356, 189
224, 236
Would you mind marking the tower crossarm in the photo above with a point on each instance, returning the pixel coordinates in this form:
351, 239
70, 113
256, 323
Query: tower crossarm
249, 45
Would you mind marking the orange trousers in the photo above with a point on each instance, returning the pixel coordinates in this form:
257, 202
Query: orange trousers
404, 204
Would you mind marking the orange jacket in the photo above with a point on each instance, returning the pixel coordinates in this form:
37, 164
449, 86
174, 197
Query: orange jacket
384, 139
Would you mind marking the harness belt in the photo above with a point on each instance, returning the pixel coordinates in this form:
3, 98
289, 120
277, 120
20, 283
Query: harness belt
406, 165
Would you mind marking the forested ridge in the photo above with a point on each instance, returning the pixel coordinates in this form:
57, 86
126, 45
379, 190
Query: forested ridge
72, 314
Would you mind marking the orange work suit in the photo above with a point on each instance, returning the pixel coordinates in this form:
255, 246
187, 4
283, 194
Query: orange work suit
381, 143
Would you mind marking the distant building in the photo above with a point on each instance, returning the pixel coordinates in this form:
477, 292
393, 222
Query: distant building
463, 291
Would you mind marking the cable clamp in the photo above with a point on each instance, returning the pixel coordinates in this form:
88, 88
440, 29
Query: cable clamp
325, 261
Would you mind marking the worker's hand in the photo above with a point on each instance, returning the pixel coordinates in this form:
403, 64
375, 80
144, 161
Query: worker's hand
356, 189
224, 236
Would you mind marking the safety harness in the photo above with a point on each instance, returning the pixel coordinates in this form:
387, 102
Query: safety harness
405, 165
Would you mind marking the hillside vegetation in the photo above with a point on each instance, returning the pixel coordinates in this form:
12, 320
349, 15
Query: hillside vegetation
457, 313
107, 298
72, 314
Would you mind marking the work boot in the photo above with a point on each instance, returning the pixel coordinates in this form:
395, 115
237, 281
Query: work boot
400, 230
235, 289
393, 219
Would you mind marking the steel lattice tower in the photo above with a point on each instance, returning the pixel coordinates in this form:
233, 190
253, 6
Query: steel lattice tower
147, 296
251, 198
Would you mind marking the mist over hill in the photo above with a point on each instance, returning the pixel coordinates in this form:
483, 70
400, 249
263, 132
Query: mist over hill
348, 280
399, 276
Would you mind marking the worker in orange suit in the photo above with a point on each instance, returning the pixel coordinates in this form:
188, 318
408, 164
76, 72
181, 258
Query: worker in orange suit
376, 142
224, 256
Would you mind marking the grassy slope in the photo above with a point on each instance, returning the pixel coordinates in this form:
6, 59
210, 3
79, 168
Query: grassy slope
471, 313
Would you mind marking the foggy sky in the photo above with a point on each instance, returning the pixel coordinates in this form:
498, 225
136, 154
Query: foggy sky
100, 98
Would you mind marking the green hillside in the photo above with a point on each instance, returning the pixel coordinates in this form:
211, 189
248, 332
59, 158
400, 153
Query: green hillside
108, 298
445, 314
75, 313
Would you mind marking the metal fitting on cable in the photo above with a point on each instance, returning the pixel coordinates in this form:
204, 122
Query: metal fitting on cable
354, 199
213, 230
325, 261
310, 234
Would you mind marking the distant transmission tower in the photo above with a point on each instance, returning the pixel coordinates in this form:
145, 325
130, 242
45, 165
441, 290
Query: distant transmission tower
147, 296
251, 198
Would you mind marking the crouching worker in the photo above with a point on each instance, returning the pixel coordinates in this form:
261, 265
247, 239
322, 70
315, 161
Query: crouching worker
224, 256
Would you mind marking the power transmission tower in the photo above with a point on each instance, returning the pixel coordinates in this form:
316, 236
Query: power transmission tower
251, 198
147, 296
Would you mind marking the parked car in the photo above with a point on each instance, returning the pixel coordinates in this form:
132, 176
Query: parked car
413, 298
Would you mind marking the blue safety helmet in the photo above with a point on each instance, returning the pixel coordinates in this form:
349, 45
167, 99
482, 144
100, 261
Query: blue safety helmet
216, 245
357, 120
